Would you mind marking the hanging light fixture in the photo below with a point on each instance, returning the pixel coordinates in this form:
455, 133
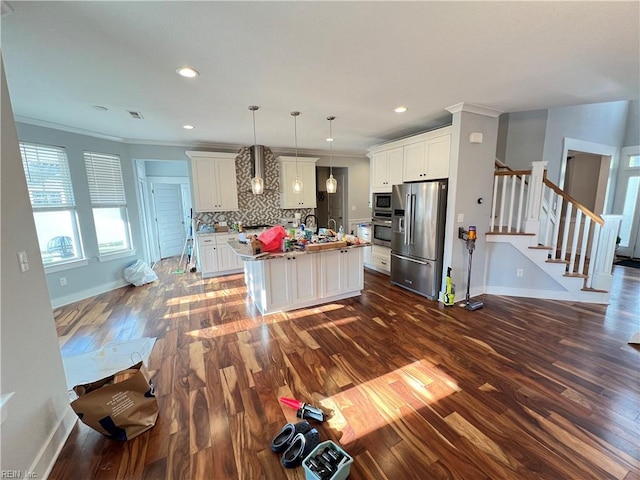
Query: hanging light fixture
297, 183
257, 182
332, 184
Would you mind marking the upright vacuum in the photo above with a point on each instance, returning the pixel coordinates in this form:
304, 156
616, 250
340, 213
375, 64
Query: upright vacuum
469, 236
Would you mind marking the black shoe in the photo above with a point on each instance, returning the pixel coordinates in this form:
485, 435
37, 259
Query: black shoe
301, 446
285, 436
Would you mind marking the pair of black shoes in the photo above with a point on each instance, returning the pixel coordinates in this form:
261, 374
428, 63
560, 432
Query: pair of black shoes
296, 441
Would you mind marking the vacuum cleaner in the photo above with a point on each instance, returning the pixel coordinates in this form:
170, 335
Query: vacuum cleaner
469, 236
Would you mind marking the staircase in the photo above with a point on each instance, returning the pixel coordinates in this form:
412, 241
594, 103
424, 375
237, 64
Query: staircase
571, 245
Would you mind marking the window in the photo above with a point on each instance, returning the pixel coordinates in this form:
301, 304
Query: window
54, 210
106, 188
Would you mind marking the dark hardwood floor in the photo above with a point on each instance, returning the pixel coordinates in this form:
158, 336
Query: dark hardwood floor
521, 389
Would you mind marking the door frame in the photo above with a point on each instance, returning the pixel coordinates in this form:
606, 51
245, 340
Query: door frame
153, 234
597, 149
624, 173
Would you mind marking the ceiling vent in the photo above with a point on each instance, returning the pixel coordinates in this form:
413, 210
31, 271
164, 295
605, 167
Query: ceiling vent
136, 115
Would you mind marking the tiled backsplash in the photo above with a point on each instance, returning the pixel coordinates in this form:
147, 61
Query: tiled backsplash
255, 209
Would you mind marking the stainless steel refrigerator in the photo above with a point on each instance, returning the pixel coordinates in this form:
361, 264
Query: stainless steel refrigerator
417, 236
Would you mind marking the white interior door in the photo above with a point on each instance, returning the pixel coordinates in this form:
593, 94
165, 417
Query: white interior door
627, 202
167, 200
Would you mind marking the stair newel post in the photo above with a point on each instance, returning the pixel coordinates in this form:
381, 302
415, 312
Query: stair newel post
534, 198
605, 252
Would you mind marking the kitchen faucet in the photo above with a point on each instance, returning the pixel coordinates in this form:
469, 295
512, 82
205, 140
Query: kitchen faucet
335, 224
315, 221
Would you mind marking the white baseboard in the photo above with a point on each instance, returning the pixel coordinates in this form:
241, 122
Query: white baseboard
530, 292
48, 454
89, 292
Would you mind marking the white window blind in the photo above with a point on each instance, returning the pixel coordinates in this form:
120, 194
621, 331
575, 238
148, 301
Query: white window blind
104, 174
48, 180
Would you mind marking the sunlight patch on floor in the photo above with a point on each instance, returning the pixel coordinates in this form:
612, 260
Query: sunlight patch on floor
379, 402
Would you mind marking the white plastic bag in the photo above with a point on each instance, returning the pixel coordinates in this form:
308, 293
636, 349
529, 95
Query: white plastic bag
139, 273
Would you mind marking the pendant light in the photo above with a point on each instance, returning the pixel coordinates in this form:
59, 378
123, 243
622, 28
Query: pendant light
297, 183
332, 184
257, 182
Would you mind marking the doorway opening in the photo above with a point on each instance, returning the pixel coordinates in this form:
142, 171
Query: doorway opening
627, 202
331, 206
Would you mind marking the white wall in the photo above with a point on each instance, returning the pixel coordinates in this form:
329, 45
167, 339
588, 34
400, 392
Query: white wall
97, 276
503, 261
39, 416
602, 123
525, 138
470, 178
632, 132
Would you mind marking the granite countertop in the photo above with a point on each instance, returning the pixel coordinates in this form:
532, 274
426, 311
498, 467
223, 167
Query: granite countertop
235, 244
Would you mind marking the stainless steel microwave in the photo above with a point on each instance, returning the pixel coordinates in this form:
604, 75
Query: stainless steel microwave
381, 202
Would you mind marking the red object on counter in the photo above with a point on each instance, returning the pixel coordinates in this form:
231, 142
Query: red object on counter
272, 238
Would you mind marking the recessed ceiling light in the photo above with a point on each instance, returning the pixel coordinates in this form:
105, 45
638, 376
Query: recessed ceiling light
188, 127
400, 109
187, 72
100, 108
329, 139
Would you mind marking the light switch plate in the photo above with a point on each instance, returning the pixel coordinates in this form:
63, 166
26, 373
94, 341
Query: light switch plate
460, 217
23, 262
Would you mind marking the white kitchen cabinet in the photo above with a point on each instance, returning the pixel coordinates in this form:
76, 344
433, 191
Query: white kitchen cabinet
306, 168
208, 255
292, 280
214, 181
216, 257
381, 259
341, 271
386, 169
427, 159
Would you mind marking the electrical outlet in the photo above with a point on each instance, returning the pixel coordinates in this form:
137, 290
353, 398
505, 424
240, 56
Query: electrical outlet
460, 217
353, 208
520, 272
63, 281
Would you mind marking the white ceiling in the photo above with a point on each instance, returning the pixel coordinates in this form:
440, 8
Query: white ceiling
354, 60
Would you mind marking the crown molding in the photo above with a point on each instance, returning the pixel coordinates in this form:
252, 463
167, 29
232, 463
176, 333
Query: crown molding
473, 108
67, 128
191, 145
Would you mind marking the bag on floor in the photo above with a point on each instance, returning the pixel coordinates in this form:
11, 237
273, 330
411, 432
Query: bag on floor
120, 406
139, 273
272, 238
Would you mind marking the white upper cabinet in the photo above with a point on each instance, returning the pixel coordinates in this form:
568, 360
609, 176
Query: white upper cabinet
386, 169
214, 181
288, 171
427, 159
421, 157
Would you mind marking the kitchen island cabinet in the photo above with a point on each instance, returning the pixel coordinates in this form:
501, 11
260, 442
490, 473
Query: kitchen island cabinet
287, 281
342, 271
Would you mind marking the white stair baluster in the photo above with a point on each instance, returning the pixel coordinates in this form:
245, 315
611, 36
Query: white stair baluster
585, 239
574, 240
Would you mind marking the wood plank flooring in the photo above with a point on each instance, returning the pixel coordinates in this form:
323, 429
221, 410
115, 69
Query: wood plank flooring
521, 389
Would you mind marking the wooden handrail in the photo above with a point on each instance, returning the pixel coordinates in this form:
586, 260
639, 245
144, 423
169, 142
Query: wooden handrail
499, 164
594, 216
512, 173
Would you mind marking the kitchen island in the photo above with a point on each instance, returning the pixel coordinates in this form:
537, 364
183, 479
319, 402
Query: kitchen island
278, 282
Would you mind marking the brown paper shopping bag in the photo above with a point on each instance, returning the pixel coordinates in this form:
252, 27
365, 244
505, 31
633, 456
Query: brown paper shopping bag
120, 406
